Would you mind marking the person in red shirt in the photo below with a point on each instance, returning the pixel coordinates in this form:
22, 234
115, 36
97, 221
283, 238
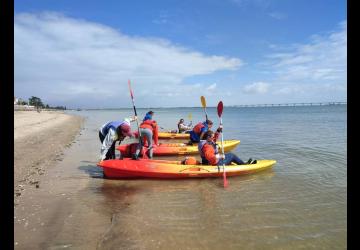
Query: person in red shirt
209, 152
149, 136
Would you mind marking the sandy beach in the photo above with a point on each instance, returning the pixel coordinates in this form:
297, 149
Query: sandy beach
39, 140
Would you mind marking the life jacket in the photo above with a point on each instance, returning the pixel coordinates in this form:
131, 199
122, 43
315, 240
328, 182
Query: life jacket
189, 160
201, 145
150, 124
114, 124
198, 127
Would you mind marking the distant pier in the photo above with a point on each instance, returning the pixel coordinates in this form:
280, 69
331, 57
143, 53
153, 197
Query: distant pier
293, 104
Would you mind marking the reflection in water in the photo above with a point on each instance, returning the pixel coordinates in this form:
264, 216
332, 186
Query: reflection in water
148, 214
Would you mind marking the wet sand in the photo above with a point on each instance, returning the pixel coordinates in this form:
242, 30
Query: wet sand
49, 179
39, 139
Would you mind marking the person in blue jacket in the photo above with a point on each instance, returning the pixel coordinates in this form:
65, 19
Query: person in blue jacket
148, 116
110, 133
199, 130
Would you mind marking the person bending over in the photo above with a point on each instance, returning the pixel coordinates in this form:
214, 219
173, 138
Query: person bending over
110, 133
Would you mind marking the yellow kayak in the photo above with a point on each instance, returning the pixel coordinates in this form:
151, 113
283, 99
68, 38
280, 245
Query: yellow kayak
168, 135
174, 148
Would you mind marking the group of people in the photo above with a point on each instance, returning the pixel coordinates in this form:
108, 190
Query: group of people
201, 134
114, 131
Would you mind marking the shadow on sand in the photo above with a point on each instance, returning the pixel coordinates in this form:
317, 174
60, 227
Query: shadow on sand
92, 170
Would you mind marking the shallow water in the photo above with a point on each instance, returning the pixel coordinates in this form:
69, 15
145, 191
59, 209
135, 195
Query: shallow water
298, 204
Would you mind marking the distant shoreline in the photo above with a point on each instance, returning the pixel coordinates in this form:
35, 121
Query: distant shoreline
232, 106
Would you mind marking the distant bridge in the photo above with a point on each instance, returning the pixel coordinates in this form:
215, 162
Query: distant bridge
293, 104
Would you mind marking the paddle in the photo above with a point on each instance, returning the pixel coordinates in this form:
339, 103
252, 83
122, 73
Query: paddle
137, 122
203, 103
190, 118
220, 108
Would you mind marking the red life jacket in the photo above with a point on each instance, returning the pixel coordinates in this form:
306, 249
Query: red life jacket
198, 127
152, 125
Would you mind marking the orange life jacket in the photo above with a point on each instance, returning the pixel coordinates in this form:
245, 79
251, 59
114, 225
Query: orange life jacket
198, 127
209, 151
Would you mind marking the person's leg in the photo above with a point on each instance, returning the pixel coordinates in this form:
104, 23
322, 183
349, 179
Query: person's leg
148, 134
111, 152
139, 146
230, 157
120, 155
101, 137
204, 161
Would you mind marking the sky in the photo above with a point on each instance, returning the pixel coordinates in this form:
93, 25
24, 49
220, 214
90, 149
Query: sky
81, 54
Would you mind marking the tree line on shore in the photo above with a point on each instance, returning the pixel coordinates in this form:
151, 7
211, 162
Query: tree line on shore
37, 102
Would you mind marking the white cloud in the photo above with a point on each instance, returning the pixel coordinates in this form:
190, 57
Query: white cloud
324, 58
316, 70
63, 59
257, 88
211, 87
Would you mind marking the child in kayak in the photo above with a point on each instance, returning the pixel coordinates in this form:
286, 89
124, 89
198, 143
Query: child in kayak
184, 128
148, 132
199, 130
209, 152
110, 133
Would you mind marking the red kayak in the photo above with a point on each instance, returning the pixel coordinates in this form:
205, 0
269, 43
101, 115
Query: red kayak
165, 169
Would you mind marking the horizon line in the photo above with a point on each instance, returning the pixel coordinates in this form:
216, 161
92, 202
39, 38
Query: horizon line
235, 106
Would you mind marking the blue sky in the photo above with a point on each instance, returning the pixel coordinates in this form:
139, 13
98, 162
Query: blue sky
82, 53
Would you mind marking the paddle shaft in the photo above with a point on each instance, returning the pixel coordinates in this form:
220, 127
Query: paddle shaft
137, 122
220, 108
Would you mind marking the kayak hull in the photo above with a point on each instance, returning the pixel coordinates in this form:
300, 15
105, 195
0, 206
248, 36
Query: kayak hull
163, 169
168, 135
166, 149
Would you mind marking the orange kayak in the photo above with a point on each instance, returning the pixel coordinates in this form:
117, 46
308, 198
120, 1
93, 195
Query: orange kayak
146, 168
173, 148
168, 135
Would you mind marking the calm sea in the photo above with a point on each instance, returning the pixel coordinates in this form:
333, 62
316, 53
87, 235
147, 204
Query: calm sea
299, 204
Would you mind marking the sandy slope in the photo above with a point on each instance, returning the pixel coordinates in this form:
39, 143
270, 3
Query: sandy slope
39, 139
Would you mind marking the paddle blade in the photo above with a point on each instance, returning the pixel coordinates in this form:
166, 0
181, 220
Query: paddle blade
190, 117
225, 180
220, 108
203, 101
